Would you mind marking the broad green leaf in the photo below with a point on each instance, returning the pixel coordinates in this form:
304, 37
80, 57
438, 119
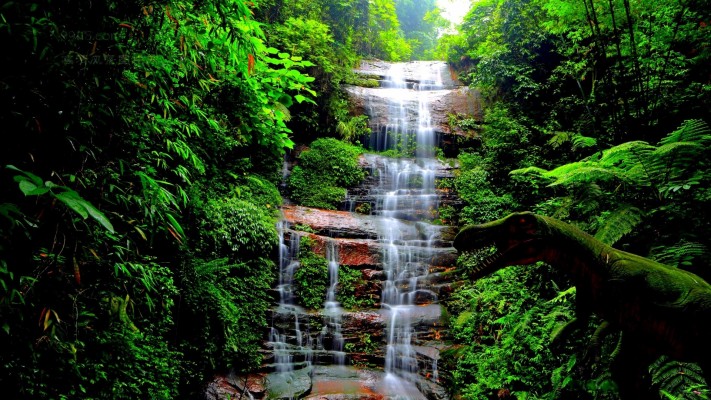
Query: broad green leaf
27, 187
99, 216
73, 202
34, 178
174, 223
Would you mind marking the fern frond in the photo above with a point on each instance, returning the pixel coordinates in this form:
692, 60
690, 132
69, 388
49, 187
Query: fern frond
674, 160
694, 130
626, 155
578, 141
580, 172
559, 138
675, 378
583, 142
619, 223
529, 171
680, 255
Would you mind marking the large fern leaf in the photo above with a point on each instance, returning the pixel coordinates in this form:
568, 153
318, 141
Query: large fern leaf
694, 130
583, 172
676, 379
619, 223
680, 255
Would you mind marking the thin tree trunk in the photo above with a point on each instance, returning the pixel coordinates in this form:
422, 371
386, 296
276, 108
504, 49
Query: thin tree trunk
658, 97
620, 65
635, 59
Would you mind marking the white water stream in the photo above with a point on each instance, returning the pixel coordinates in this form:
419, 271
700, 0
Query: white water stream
406, 192
404, 203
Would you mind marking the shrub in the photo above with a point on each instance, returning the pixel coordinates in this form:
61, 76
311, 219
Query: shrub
260, 192
235, 228
348, 279
227, 303
311, 277
323, 173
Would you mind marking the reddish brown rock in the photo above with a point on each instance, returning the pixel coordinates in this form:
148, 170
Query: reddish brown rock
352, 252
233, 386
342, 224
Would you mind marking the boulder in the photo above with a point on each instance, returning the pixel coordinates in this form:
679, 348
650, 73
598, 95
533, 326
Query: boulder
331, 223
357, 253
233, 386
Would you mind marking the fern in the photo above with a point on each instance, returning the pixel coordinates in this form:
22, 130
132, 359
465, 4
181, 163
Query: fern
559, 138
582, 142
680, 255
675, 379
694, 130
529, 171
619, 223
576, 173
578, 141
637, 162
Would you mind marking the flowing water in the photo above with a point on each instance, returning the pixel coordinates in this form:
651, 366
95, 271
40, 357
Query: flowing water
406, 193
404, 202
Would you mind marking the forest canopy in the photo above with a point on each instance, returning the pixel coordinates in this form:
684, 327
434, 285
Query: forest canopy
141, 174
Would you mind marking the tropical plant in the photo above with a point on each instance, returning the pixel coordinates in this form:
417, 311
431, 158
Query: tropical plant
323, 173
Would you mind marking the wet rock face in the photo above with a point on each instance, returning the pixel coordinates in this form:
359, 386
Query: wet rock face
453, 98
236, 386
341, 224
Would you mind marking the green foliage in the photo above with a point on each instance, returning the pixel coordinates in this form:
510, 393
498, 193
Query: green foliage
678, 380
353, 128
647, 182
618, 223
385, 38
607, 70
497, 322
349, 279
226, 312
311, 277
323, 173
420, 21
32, 185
365, 344
125, 110
260, 192
475, 189
682, 254
236, 228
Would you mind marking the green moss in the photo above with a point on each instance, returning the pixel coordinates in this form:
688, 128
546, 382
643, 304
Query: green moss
349, 279
311, 277
323, 173
364, 80
237, 229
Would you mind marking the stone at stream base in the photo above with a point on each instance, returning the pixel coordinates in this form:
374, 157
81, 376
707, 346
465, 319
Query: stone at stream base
289, 385
335, 382
233, 387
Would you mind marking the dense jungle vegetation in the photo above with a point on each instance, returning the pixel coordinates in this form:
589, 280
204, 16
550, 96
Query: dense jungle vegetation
597, 114
141, 175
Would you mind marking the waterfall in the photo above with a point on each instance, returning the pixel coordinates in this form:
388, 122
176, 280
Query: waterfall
395, 234
284, 347
332, 309
405, 193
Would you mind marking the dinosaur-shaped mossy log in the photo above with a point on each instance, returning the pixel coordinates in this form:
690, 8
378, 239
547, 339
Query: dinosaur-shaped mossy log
660, 310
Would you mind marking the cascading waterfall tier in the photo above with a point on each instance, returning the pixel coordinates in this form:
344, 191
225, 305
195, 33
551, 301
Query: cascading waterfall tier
396, 247
406, 191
